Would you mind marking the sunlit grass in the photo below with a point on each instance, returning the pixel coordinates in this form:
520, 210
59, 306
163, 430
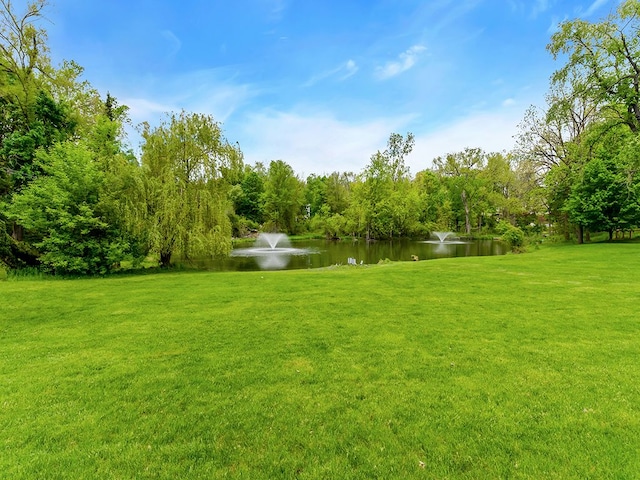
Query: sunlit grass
520, 366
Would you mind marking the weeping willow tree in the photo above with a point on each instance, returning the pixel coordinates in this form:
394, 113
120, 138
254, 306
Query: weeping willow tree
188, 167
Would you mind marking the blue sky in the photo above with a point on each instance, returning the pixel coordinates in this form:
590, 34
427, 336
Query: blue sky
321, 84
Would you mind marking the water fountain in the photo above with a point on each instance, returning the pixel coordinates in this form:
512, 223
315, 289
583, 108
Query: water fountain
271, 251
272, 242
442, 242
442, 235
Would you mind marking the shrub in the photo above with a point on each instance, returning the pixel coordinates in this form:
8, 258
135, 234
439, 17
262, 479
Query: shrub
513, 236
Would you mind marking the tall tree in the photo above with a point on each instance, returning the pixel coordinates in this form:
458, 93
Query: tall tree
605, 195
31, 116
603, 61
283, 197
248, 203
338, 191
315, 193
462, 171
386, 172
187, 162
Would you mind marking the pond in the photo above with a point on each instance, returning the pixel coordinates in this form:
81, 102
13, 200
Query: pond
324, 253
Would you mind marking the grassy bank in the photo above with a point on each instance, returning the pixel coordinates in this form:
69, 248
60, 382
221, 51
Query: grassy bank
521, 366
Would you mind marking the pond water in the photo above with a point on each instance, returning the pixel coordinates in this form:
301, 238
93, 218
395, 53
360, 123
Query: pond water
324, 253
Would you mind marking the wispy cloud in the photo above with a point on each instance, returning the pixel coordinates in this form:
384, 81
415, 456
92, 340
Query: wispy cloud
315, 141
276, 9
174, 42
318, 142
342, 72
212, 91
516, 5
141, 109
595, 6
492, 131
405, 61
539, 6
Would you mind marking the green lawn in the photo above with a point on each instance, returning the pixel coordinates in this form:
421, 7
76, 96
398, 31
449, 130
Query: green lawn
521, 366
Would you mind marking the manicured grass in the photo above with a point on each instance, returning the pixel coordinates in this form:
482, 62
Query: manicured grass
521, 366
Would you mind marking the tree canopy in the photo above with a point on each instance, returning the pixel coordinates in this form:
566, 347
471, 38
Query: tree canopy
76, 199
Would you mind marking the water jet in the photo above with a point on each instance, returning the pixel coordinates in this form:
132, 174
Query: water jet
442, 235
271, 251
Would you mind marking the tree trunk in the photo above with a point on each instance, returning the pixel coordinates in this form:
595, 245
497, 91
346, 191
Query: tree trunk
580, 234
610, 234
18, 232
467, 220
16, 254
165, 259
587, 236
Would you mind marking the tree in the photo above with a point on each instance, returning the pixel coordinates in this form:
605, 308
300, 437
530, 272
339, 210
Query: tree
606, 194
603, 61
249, 201
436, 211
462, 171
282, 198
23, 53
315, 192
63, 211
49, 123
38, 108
549, 141
376, 212
338, 191
187, 163
602, 69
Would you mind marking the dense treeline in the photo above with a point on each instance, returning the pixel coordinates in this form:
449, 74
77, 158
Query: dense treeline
75, 199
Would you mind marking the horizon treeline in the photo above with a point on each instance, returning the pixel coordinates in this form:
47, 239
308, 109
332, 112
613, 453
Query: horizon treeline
75, 199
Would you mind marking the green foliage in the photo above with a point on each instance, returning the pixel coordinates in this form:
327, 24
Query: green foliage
315, 193
50, 123
282, 198
248, 200
511, 235
461, 174
75, 232
603, 61
384, 202
242, 226
338, 191
605, 197
187, 163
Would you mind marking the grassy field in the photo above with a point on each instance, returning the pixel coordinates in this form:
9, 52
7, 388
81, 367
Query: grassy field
521, 366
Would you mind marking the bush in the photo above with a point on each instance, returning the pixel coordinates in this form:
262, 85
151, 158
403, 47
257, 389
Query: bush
513, 236
76, 230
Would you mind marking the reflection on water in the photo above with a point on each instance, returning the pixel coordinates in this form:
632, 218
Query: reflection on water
324, 253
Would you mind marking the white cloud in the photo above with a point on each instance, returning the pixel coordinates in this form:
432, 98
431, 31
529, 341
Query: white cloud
595, 6
540, 6
141, 109
343, 71
277, 9
406, 60
174, 42
320, 143
315, 142
350, 68
492, 131
210, 92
